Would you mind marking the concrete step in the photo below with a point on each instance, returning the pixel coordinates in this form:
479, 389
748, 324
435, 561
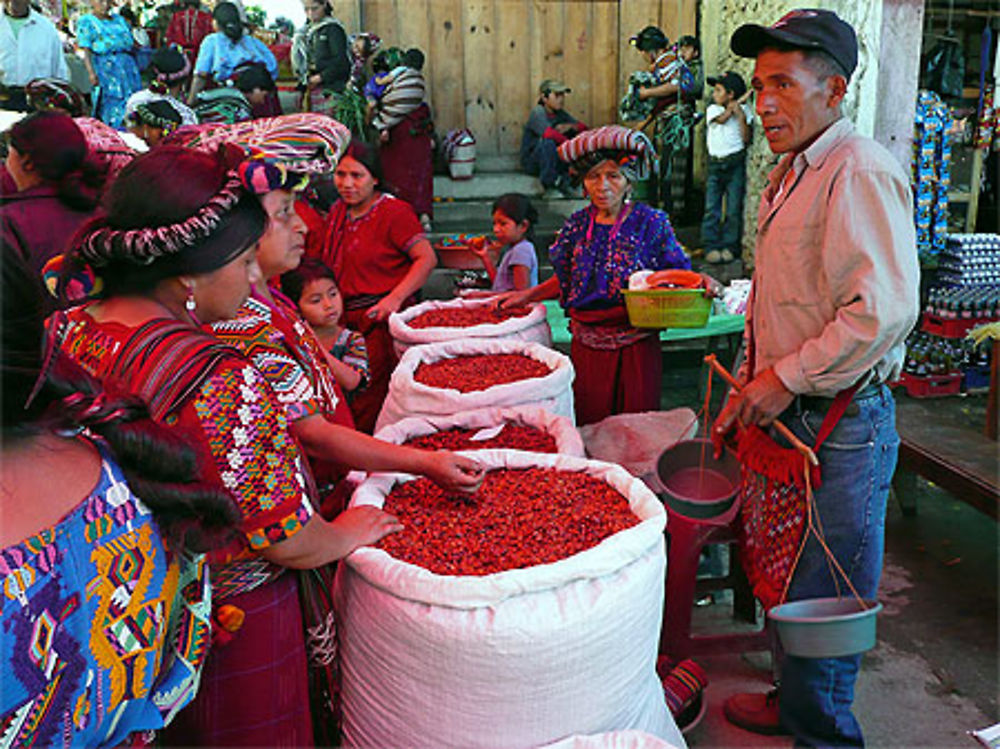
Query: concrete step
498, 163
451, 215
487, 186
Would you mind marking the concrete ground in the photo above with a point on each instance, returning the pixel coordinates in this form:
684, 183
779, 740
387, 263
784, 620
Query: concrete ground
934, 673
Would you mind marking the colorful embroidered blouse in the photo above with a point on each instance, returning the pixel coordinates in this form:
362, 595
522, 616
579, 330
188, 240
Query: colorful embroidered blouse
369, 255
350, 348
285, 351
593, 261
235, 423
103, 630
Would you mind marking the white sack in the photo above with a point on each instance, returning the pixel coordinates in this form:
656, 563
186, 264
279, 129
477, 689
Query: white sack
532, 327
613, 740
568, 440
519, 658
636, 441
407, 397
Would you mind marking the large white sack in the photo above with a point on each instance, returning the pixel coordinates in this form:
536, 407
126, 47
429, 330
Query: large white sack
568, 441
532, 327
407, 397
635, 441
519, 658
613, 740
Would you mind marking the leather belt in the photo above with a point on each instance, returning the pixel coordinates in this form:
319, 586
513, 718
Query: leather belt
821, 404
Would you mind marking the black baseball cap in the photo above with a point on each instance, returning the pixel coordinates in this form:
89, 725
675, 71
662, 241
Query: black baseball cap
807, 28
650, 38
731, 81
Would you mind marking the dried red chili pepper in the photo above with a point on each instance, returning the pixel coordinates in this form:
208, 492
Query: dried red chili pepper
513, 436
480, 371
518, 518
486, 314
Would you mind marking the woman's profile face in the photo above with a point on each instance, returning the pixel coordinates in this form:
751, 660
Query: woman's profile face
220, 293
283, 244
16, 168
100, 7
606, 186
315, 10
354, 183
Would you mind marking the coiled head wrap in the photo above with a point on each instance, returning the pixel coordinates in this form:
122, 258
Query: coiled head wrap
628, 148
143, 246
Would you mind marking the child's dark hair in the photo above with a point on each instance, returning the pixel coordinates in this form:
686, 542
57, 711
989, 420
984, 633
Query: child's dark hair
414, 58
518, 208
294, 282
46, 391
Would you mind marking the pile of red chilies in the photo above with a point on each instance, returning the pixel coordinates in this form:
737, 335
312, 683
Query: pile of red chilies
486, 314
479, 372
513, 437
518, 518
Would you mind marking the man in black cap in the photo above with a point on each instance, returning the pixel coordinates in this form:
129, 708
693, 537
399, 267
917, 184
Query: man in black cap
548, 126
834, 296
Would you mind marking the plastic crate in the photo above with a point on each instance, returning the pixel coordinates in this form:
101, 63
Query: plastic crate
668, 308
931, 386
949, 328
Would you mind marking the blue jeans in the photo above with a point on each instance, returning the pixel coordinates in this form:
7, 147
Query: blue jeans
857, 462
544, 162
726, 181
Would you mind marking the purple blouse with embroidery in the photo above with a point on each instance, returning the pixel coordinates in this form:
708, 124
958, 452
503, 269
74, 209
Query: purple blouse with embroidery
593, 261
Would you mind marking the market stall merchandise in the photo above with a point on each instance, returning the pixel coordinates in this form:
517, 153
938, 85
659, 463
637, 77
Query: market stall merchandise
483, 423
408, 396
518, 658
458, 319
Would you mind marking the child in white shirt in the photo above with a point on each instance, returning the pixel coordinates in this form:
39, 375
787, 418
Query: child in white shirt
728, 118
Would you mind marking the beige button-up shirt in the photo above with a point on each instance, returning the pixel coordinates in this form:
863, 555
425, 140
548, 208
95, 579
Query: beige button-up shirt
835, 288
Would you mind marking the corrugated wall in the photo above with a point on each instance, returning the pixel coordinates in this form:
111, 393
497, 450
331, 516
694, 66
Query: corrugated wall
485, 58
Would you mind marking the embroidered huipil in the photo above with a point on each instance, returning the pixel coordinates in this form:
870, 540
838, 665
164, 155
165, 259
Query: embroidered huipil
239, 429
285, 351
593, 261
103, 629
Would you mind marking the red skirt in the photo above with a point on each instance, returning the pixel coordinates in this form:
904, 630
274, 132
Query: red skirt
254, 690
382, 359
408, 160
623, 380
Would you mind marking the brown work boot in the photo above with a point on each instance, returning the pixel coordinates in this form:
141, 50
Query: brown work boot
755, 712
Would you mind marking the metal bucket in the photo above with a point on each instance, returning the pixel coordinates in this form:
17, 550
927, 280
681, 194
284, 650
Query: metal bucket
826, 627
695, 489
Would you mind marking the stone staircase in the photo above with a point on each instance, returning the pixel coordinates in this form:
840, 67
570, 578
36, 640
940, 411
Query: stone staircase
465, 206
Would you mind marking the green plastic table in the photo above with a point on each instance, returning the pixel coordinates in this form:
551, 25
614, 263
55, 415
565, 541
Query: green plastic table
718, 325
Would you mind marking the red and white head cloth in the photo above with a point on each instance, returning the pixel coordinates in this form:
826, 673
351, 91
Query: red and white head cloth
628, 148
304, 142
106, 145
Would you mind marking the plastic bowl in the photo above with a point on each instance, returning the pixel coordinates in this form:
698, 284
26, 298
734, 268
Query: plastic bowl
695, 490
460, 257
826, 627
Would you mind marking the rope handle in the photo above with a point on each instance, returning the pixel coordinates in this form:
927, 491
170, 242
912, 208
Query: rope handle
815, 526
785, 432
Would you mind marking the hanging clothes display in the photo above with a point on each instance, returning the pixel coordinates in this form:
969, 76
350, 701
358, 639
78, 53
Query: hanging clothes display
931, 173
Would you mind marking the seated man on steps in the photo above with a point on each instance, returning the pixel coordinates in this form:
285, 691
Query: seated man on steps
549, 125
